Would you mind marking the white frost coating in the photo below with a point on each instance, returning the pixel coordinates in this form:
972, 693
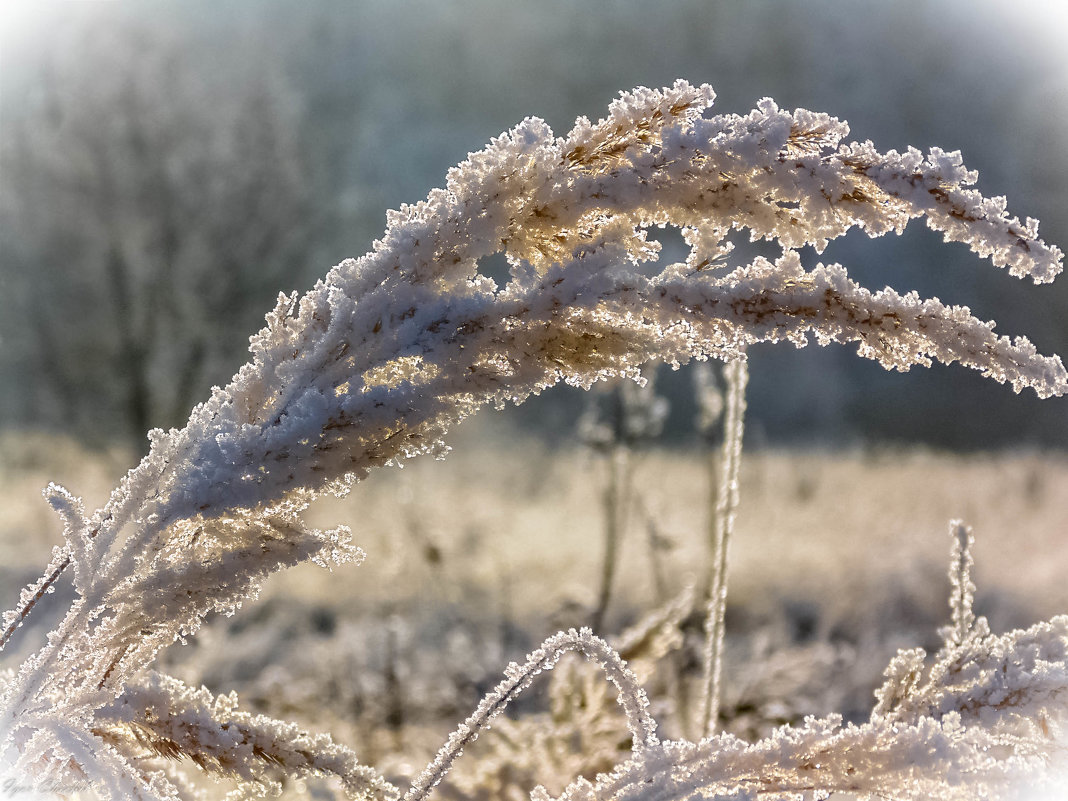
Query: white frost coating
388, 351
736, 374
928, 760
1013, 685
960, 578
985, 720
630, 695
173, 720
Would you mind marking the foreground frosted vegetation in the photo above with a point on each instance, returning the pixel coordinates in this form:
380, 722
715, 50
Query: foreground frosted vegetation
390, 350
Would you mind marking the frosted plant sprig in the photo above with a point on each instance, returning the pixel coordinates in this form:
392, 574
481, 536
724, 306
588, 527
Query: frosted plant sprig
171, 720
985, 720
658, 631
577, 735
386, 353
928, 760
343, 359
1014, 685
965, 624
630, 695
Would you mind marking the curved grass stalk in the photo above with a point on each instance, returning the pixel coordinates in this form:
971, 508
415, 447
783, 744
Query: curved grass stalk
630, 695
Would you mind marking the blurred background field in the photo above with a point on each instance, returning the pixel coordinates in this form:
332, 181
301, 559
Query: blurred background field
839, 559
166, 168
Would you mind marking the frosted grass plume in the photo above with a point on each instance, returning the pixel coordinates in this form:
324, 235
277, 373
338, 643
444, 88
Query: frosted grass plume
388, 351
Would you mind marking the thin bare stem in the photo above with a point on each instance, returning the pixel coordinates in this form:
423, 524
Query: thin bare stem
615, 499
61, 561
655, 542
43, 585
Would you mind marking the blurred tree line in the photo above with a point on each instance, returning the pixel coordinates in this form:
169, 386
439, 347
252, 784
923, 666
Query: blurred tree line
167, 167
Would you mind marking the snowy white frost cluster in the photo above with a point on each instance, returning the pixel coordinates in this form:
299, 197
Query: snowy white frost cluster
389, 350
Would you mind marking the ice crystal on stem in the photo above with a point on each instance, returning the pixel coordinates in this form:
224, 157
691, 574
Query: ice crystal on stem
381, 357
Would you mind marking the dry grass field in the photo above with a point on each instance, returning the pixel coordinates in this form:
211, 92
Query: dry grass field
838, 560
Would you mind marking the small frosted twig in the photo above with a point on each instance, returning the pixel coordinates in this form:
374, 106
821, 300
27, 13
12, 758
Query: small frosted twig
901, 682
34, 593
668, 615
173, 720
1011, 685
630, 695
61, 560
737, 376
960, 576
